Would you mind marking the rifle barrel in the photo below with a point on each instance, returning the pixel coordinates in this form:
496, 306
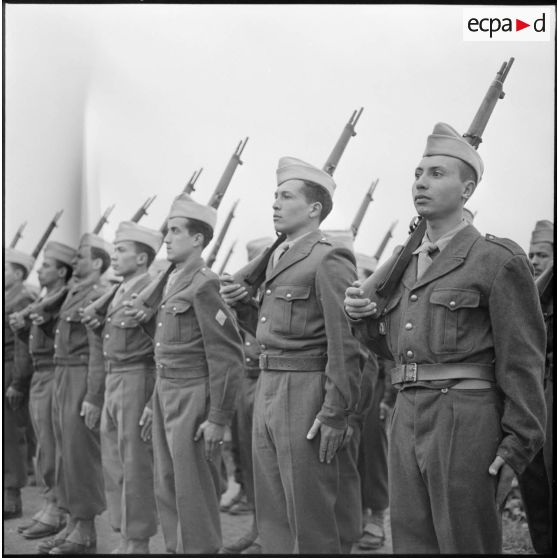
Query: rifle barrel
18, 235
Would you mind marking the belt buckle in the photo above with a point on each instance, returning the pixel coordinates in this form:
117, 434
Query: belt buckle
410, 372
263, 362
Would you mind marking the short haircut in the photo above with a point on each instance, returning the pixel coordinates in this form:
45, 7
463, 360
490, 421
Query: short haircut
140, 248
97, 253
315, 193
467, 172
61, 265
22, 269
194, 227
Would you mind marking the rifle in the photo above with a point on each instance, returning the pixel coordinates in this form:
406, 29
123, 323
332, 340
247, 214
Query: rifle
253, 274
347, 133
104, 218
189, 188
142, 210
217, 245
357, 221
385, 240
18, 235
51, 226
225, 180
227, 258
473, 136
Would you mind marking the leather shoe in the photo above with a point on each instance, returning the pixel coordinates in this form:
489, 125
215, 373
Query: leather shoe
46, 546
239, 545
255, 548
12, 503
241, 508
25, 526
73, 548
137, 546
40, 530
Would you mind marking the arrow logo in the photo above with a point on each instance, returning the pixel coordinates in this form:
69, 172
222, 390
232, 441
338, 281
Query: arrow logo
519, 25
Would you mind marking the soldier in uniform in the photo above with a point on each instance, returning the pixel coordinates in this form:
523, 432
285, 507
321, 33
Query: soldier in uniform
535, 482
54, 274
241, 428
126, 449
79, 384
199, 362
17, 375
466, 332
310, 376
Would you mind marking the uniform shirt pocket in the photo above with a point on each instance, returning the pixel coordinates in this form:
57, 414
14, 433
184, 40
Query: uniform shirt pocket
122, 332
178, 325
290, 310
452, 317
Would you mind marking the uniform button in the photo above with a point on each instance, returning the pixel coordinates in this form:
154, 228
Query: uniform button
203, 269
414, 297
444, 390
57, 331
122, 323
248, 359
410, 354
160, 324
107, 336
162, 305
248, 343
108, 320
68, 319
263, 319
262, 347
268, 292
174, 308
289, 295
104, 353
30, 337
452, 303
408, 326
55, 346
157, 344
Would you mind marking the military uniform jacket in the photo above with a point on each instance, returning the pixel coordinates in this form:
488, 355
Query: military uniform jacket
125, 340
476, 303
75, 345
16, 347
301, 315
196, 335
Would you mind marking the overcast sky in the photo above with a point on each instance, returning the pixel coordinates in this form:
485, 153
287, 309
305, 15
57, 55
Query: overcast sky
112, 104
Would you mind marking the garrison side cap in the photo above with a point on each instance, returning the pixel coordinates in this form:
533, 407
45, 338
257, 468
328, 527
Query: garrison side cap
132, 232
290, 168
184, 206
21, 258
543, 232
60, 252
447, 141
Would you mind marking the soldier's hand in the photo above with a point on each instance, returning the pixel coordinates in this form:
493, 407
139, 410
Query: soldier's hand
213, 435
146, 422
136, 309
506, 475
348, 436
16, 321
14, 397
385, 409
231, 292
91, 414
38, 318
90, 319
331, 439
356, 305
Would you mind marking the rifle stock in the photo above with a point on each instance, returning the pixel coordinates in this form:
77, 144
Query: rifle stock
226, 178
18, 235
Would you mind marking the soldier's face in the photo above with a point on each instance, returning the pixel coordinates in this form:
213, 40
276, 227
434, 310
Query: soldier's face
48, 273
438, 190
124, 259
291, 211
541, 256
179, 242
83, 262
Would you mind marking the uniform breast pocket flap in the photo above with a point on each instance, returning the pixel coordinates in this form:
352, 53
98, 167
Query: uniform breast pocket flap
179, 321
291, 308
451, 318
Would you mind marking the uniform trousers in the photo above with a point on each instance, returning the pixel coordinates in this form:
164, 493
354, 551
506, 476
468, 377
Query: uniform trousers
372, 458
295, 494
40, 409
127, 459
537, 487
242, 434
187, 485
79, 475
15, 446
442, 498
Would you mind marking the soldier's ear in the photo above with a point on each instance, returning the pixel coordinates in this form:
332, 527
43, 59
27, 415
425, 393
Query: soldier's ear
469, 189
316, 210
141, 258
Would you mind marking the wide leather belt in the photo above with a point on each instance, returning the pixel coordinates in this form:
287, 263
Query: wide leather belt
138, 366
411, 373
174, 373
292, 364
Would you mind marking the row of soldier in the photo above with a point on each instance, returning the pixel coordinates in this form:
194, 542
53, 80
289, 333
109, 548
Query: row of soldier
160, 363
